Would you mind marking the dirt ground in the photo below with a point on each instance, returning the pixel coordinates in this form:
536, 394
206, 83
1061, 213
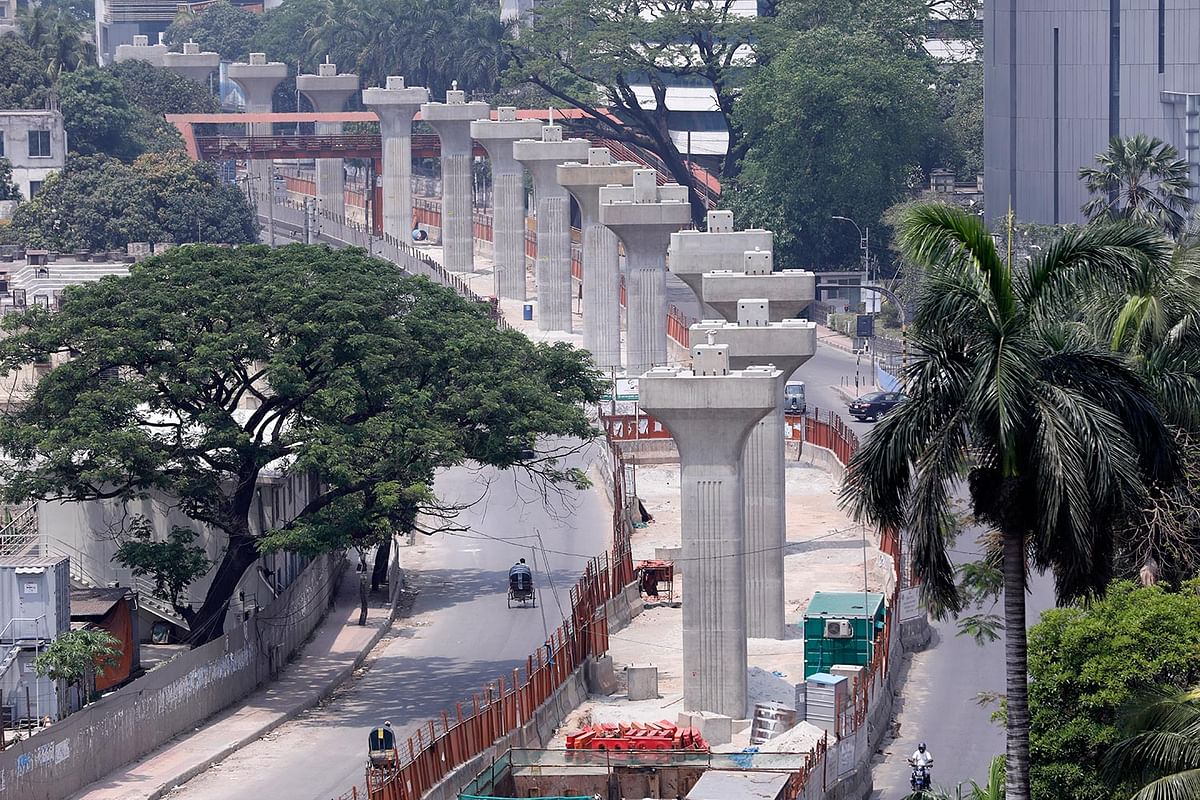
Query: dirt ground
826, 551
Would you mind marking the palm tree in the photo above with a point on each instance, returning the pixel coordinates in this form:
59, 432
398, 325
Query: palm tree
1161, 753
1055, 433
57, 37
1141, 179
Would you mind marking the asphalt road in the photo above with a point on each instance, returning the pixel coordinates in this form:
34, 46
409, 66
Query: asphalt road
465, 635
939, 699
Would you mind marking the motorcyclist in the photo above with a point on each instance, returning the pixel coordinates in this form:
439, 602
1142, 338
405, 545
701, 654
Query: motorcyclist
921, 759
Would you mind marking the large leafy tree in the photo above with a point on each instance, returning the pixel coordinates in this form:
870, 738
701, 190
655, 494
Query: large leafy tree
1162, 748
1056, 435
1142, 179
96, 113
322, 363
1087, 664
23, 81
161, 91
836, 125
219, 28
590, 55
100, 203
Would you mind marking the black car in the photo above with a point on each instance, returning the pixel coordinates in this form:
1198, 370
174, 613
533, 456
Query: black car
875, 404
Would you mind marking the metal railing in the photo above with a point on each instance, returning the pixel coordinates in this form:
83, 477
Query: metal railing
20, 535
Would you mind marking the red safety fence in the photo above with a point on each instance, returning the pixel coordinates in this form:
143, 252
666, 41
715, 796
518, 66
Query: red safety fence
627, 427
824, 429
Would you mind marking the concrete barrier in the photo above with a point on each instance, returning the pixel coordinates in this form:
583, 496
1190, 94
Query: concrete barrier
175, 697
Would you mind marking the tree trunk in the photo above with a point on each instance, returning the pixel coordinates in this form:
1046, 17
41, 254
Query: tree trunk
209, 622
1016, 662
383, 555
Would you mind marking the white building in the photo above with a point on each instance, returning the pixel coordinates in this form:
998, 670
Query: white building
35, 143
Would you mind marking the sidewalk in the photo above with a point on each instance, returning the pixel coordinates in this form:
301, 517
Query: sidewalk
337, 647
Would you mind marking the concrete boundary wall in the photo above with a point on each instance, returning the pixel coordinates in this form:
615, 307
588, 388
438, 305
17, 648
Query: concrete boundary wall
171, 699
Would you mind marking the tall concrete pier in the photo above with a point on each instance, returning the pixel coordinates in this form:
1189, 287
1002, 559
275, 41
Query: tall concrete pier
553, 269
710, 412
643, 217
257, 79
193, 64
693, 253
452, 121
396, 104
328, 92
508, 192
752, 339
601, 267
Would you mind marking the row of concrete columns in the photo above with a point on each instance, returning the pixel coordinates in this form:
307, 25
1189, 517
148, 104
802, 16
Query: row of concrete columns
727, 419
725, 414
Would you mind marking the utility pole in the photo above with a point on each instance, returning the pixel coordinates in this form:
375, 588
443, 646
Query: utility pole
271, 204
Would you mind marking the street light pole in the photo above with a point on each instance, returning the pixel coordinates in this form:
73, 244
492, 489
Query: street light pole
864, 243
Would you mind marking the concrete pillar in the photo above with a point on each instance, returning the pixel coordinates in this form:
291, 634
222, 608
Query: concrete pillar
643, 217
508, 192
693, 253
193, 64
396, 105
141, 50
784, 345
601, 268
257, 79
710, 412
553, 267
452, 122
328, 92
788, 291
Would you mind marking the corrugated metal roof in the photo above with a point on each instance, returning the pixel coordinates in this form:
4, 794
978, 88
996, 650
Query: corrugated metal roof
95, 602
8, 562
717, 784
845, 605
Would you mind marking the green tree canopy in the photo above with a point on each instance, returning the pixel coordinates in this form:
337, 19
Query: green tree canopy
23, 79
96, 113
78, 655
1160, 756
101, 203
590, 55
1087, 664
360, 378
56, 35
838, 124
219, 28
173, 563
161, 91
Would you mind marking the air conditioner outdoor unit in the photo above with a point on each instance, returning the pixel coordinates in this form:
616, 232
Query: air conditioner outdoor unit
838, 629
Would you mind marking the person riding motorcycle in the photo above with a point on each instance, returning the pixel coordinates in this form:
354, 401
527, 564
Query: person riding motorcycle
921, 761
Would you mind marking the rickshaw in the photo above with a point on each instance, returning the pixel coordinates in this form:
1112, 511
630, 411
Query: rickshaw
520, 585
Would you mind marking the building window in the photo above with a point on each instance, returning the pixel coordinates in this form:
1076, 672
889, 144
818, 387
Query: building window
39, 144
34, 188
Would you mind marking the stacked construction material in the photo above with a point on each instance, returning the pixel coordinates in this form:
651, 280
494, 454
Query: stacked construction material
637, 736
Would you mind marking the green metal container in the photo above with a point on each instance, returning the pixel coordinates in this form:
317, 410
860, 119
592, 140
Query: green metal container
840, 628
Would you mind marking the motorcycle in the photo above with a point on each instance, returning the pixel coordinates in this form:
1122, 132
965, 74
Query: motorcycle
921, 780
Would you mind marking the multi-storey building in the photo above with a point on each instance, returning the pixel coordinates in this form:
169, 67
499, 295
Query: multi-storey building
1064, 76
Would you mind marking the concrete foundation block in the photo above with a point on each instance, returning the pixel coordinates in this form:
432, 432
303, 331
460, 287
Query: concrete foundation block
717, 729
642, 682
601, 678
668, 554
